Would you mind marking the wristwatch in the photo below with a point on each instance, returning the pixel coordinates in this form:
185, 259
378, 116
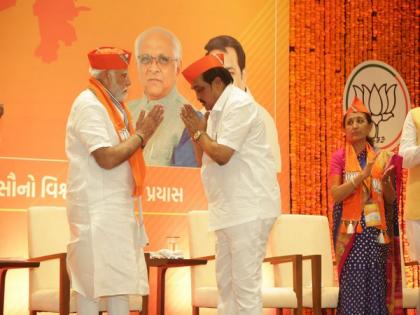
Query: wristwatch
197, 135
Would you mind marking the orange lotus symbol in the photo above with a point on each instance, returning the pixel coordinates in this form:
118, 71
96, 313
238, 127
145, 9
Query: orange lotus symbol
380, 102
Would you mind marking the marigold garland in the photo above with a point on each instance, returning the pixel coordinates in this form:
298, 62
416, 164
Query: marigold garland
327, 40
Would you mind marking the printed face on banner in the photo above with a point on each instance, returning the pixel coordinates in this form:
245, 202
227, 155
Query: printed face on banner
231, 63
55, 48
158, 65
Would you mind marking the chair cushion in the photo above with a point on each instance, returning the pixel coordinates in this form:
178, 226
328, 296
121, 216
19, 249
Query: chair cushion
47, 301
411, 297
329, 297
205, 297
272, 297
279, 297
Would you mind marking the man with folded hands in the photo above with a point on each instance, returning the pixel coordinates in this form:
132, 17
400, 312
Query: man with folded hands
105, 180
239, 176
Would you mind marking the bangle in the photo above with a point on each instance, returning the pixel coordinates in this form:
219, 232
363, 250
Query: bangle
141, 140
353, 183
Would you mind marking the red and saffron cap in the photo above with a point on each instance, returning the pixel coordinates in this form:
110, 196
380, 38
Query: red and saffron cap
357, 107
194, 70
109, 58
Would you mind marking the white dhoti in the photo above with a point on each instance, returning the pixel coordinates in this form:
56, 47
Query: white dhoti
105, 255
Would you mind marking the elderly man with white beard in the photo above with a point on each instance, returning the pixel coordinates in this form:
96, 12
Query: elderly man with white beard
105, 178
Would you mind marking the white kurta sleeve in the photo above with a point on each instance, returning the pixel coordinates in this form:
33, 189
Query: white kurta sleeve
272, 137
236, 124
409, 149
91, 126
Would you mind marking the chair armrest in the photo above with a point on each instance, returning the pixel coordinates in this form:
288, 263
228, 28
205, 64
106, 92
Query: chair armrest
64, 279
282, 259
296, 261
316, 281
412, 263
60, 256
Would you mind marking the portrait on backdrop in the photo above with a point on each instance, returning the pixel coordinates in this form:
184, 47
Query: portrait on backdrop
235, 62
158, 55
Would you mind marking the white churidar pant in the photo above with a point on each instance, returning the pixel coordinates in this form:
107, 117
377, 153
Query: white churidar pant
116, 305
240, 251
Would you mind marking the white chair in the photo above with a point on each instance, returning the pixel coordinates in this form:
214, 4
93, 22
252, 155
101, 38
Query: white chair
49, 285
203, 280
308, 235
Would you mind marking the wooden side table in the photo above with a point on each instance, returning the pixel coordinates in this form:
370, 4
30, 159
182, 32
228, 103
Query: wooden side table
162, 264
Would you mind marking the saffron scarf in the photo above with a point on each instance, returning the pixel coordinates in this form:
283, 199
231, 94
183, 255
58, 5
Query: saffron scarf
354, 204
136, 161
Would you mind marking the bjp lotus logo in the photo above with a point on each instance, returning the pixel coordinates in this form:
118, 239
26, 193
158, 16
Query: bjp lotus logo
379, 101
385, 95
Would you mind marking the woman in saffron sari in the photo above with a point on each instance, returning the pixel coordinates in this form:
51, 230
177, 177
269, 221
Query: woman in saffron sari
365, 215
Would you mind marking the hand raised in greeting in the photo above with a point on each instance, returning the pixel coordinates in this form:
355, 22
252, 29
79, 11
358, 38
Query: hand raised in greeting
147, 124
192, 120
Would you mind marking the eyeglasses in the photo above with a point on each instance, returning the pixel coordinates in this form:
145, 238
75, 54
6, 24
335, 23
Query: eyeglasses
162, 60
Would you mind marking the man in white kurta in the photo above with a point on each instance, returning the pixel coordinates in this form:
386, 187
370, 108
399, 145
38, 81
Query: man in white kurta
239, 176
105, 254
410, 151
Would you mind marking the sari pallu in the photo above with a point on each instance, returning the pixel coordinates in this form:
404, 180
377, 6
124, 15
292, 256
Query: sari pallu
349, 248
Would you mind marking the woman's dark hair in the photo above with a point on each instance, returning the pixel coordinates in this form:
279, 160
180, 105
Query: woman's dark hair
220, 72
369, 120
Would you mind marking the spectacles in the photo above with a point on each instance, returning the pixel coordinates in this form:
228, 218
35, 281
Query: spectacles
160, 59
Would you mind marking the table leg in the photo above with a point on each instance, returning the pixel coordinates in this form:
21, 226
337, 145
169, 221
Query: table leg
2, 289
160, 299
145, 305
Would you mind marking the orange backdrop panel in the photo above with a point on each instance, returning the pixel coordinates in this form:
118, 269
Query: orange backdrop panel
44, 67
